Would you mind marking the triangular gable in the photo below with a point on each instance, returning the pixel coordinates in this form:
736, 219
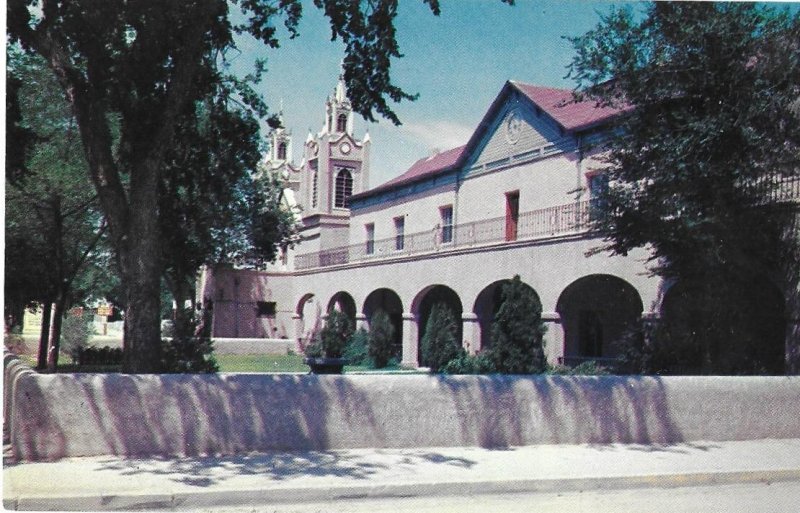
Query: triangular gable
514, 128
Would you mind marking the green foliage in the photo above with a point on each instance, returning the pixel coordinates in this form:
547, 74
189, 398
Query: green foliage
381, 337
694, 164
469, 364
439, 343
75, 334
186, 351
334, 336
589, 368
357, 350
517, 331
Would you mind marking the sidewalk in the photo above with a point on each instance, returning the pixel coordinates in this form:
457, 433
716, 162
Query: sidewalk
108, 483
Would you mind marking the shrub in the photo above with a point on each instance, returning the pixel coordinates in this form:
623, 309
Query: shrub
588, 368
653, 348
75, 333
357, 352
439, 343
381, 337
187, 352
335, 334
517, 331
469, 364
98, 356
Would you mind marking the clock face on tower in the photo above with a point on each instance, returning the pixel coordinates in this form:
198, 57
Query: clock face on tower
345, 148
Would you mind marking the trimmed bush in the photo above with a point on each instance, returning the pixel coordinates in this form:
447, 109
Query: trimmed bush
335, 334
357, 350
469, 364
381, 337
187, 352
517, 331
439, 343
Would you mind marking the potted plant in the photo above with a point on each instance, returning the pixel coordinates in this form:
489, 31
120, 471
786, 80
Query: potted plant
325, 355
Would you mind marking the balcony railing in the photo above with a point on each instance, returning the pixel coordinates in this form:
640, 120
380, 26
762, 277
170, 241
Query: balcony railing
566, 219
546, 222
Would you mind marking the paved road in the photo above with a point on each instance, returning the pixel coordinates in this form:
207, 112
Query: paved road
739, 498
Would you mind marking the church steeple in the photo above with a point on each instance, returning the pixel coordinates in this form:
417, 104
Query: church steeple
338, 111
280, 143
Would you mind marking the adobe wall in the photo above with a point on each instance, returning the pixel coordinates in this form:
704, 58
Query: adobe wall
56, 416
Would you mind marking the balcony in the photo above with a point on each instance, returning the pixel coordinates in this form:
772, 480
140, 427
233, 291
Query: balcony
572, 218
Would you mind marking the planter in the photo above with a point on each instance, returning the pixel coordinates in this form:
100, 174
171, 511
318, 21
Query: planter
321, 365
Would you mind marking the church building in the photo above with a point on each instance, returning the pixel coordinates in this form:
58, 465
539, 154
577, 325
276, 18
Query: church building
516, 199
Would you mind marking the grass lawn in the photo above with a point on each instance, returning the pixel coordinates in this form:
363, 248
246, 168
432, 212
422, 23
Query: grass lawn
261, 363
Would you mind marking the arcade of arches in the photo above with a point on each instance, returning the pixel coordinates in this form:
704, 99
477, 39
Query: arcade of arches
592, 314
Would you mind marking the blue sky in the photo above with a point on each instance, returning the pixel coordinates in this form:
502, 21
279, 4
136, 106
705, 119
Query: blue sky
457, 62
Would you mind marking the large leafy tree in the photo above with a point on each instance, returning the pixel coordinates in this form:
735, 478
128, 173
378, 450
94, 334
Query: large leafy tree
707, 136
146, 65
53, 225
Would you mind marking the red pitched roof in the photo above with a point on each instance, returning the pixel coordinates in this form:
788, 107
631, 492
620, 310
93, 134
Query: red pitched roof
560, 105
427, 166
557, 103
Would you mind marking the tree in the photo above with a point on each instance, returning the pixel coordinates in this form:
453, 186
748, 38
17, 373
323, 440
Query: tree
439, 343
146, 65
54, 229
517, 331
706, 139
381, 337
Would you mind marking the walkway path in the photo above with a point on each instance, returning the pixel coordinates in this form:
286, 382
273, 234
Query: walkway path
105, 483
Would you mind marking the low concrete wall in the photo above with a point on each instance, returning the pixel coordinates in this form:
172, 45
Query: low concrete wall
55, 416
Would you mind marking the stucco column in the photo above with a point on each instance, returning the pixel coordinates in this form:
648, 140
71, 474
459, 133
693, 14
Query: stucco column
554, 336
361, 321
471, 330
410, 344
297, 325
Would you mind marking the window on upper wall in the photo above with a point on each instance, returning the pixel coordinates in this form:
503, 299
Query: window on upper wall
282, 151
399, 230
370, 232
512, 215
265, 308
341, 123
598, 186
344, 188
446, 213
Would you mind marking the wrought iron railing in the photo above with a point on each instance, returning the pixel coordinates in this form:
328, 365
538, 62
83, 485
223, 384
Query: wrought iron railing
560, 220
566, 219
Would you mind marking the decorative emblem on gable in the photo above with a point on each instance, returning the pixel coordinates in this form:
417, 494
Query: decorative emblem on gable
513, 126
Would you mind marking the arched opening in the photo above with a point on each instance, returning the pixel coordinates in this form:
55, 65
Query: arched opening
388, 301
309, 316
282, 151
423, 306
344, 188
746, 336
341, 123
596, 312
486, 306
343, 302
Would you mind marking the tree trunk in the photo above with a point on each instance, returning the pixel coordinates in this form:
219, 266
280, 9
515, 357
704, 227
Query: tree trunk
44, 336
55, 334
141, 268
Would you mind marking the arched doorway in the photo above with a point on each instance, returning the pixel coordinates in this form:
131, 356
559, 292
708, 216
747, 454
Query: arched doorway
746, 336
309, 320
388, 301
423, 305
343, 302
596, 312
486, 306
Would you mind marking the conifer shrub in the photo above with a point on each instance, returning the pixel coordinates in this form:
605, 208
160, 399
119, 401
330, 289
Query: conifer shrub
75, 334
189, 350
381, 337
517, 331
357, 350
439, 343
334, 336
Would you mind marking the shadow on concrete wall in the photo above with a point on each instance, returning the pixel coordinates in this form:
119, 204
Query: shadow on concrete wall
504, 411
